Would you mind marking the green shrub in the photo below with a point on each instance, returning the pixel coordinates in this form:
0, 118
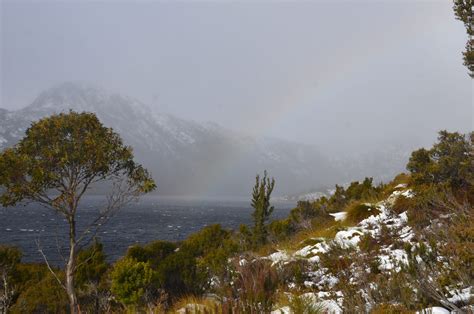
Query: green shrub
280, 229
450, 161
364, 190
90, 277
177, 274
211, 247
43, 296
130, 280
200, 257
92, 265
206, 240
152, 253
423, 208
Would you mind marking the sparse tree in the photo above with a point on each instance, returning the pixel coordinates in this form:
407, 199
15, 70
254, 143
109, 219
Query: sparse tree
57, 162
262, 209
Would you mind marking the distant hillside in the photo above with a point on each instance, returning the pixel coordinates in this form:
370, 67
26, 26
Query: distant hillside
185, 157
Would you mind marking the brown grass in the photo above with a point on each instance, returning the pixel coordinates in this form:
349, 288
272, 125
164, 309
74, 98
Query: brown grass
390, 309
358, 211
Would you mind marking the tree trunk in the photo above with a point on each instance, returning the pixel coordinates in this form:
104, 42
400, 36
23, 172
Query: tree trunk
70, 268
5, 304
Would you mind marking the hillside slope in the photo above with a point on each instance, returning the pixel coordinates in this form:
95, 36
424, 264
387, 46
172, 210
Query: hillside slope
185, 157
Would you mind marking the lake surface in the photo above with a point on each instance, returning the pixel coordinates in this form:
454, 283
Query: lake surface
152, 218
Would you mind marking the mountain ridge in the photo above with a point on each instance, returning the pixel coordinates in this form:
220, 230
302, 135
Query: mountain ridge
185, 157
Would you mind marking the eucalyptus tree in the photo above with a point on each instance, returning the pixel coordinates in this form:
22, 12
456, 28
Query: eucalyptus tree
463, 12
57, 162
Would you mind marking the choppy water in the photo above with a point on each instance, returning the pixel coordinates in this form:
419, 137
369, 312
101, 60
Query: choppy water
152, 218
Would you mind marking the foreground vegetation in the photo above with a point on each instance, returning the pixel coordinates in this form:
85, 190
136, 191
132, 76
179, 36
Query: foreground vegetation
388, 248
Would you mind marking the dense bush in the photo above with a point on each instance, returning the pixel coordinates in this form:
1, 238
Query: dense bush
177, 274
449, 161
91, 265
41, 292
206, 254
10, 258
444, 256
280, 230
364, 190
190, 266
90, 277
130, 281
152, 253
315, 214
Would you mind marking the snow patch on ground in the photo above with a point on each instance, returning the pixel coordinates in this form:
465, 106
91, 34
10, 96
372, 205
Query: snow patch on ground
282, 310
318, 301
348, 238
279, 257
461, 296
308, 250
392, 259
434, 310
339, 216
192, 308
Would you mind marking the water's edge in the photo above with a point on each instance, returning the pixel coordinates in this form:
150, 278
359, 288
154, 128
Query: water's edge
152, 218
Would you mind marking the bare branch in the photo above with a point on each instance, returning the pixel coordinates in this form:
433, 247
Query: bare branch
49, 266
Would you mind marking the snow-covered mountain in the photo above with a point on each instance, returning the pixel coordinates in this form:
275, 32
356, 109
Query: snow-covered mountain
184, 157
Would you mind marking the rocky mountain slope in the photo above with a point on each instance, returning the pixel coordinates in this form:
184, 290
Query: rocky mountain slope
185, 157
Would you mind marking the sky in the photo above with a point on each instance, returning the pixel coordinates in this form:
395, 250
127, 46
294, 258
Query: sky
330, 73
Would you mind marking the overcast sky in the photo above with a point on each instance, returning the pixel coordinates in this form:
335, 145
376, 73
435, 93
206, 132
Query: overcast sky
338, 71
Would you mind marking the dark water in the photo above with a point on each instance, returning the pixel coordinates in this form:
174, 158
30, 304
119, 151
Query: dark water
152, 218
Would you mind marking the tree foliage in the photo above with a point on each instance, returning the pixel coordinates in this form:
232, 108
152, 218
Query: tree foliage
154, 252
262, 209
91, 265
130, 280
55, 164
64, 154
449, 162
463, 12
